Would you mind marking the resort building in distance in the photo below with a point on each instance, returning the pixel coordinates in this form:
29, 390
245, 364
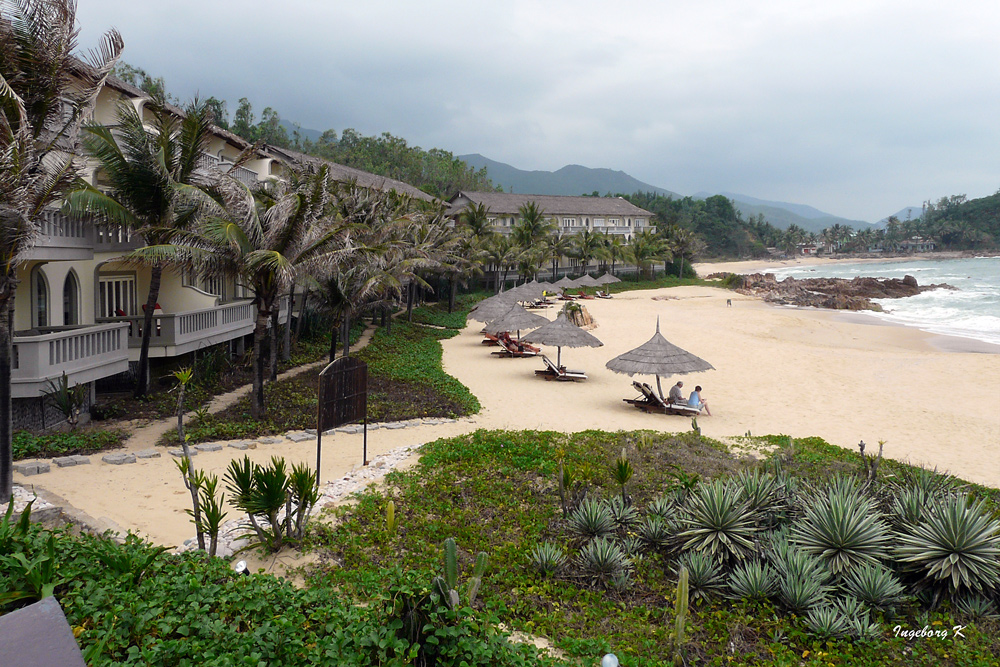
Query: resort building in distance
571, 215
79, 306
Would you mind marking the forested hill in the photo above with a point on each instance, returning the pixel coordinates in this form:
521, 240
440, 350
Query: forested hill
572, 180
963, 223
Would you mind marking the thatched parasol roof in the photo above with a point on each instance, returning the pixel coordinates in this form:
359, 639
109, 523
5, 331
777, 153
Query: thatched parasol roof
532, 290
565, 283
515, 319
493, 307
657, 356
607, 279
562, 333
586, 281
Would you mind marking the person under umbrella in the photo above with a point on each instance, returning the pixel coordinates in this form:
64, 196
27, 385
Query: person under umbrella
657, 356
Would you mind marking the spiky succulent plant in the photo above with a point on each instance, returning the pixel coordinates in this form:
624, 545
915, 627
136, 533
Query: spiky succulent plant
625, 516
874, 585
704, 575
842, 527
547, 558
656, 531
603, 560
753, 580
591, 519
957, 546
717, 521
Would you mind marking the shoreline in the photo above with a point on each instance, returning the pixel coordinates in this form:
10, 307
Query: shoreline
761, 265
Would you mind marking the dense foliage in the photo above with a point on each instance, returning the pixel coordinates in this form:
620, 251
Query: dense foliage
498, 492
85, 441
141, 606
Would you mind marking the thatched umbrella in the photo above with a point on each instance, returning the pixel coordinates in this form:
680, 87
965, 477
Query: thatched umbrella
607, 279
562, 333
565, 283
530, 291
658, 357
493, 307
515, 319
586, 281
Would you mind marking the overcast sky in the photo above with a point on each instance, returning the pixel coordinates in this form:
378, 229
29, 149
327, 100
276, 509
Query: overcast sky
856, 107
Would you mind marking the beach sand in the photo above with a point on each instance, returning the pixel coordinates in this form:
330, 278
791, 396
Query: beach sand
800, 372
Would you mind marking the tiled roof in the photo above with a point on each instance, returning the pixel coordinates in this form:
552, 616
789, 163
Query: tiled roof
509, 203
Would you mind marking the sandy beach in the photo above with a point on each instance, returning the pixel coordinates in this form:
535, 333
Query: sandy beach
801, 372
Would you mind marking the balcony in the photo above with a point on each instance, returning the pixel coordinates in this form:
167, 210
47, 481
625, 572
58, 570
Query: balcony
242, 174
84, 353
63, 238
179, 333
116, 239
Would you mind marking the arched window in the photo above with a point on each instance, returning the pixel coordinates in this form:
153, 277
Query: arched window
40, 296
71, 299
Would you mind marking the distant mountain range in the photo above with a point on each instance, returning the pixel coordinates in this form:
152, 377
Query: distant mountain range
576, 180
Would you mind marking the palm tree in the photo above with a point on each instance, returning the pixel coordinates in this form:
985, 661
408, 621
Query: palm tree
586, 246
40, 81
645, 248
150, 173
557, 245
615, 249
533, 225
504, 252
684, 244
264, 237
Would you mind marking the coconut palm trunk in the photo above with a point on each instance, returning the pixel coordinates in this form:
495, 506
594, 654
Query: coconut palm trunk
260, 330
142, 380
272, 357
6, 405
286, 344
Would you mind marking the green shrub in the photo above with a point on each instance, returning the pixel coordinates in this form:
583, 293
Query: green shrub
547, 558
591, 519
27, 445
717, 521
602, 560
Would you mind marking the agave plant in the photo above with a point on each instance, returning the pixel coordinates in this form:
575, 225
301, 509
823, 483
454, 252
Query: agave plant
977, 607
753, 580
602, 560
909, 505
662, 507
592, 518
625, 516
656, 531
956, 546
704, 575
718, 522
842, 527
633, 547
764, 493
826, 621
874, 585
803, 581
547, 558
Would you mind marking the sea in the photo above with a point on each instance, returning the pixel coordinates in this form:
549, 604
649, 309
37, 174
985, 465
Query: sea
970, 311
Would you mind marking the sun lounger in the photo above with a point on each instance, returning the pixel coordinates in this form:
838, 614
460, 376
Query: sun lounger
603, 295
651, 402
490, 339
512, 348
553, 372
584, 295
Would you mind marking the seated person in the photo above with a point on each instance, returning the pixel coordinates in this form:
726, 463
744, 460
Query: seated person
694, 401
675, 395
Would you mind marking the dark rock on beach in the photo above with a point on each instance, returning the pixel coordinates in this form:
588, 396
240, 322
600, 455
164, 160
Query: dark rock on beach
835, 293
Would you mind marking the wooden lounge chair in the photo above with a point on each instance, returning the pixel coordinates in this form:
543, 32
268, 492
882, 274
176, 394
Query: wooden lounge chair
490, 339
512, 348
603, 295
553, 372
651, 402
584, 295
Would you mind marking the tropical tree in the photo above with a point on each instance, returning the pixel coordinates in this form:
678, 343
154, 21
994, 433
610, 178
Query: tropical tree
504, 253
614, 248
557, 245
683, 244
587, 245
151, 176
533, 225
44, 93
263, 237
645, 248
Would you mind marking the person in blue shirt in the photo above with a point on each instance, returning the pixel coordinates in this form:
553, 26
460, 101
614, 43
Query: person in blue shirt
694, 401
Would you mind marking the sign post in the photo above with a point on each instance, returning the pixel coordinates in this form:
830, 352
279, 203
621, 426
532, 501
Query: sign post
343, 398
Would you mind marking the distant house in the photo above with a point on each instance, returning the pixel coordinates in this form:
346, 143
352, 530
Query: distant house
917, 244
808, 249
571, 215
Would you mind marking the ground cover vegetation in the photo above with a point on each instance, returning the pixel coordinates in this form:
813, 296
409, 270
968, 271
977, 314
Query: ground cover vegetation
813, 555
405, 381
142, 606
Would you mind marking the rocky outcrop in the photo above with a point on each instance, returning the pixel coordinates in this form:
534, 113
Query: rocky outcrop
835, 293
581, 318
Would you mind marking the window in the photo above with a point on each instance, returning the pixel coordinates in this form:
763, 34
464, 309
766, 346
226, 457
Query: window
614, 222
71, 300
492, 220
117, 296
598, 222
40, 292
569, 222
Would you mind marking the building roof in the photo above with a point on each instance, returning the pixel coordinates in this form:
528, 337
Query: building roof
504, 203
341, 172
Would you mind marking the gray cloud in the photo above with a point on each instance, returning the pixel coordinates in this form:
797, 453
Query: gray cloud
858, 107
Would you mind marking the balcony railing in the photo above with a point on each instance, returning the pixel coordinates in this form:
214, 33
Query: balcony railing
242, 174
63, 237
178, 333
116, 239
83, 353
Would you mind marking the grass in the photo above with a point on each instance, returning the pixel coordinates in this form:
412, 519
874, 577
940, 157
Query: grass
436, 314
496, 492
27, 445
405, 381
